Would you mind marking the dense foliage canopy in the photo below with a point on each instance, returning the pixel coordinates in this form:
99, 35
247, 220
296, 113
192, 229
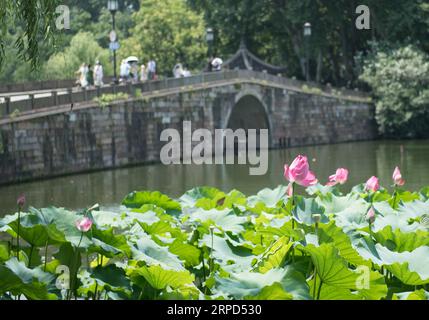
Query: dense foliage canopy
400, 81
271, 28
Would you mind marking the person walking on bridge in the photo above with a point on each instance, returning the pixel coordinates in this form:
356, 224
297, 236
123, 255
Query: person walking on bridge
143, 73
82, 72
90, 76
217, 64
151, 67
98, 74
125, 71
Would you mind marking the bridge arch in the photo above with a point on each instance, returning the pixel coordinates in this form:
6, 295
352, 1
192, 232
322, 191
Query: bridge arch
248, 112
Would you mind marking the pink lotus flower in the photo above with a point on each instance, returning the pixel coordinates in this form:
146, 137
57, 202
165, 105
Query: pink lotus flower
21, 200
340, 177
397, 177
370, 216
299, 172
372, 184
84, 225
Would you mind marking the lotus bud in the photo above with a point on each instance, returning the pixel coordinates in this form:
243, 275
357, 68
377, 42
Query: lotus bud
372, 184
370, 216
84, 225
397, 177
21, 201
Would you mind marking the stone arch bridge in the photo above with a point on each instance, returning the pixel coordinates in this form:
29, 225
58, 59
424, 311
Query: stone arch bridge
48, 137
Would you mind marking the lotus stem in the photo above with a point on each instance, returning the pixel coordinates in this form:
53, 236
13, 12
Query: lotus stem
30, 256
211, 251
74, 277
320, 289
96, 290
46, 256
395, 193
204, 270
17, 239
314, 285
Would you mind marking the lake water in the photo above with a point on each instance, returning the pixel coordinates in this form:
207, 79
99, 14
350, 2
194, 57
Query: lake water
108, 188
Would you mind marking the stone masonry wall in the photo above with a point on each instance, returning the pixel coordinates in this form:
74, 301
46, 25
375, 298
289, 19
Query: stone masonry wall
127, 133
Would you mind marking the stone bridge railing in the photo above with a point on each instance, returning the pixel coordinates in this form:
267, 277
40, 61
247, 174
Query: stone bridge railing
15, 104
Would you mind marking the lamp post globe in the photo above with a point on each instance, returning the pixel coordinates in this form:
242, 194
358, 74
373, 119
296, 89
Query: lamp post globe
209, 35
210, 40
112, 5
307, 29
307, 35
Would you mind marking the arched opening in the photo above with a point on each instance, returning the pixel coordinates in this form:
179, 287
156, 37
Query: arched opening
248, 113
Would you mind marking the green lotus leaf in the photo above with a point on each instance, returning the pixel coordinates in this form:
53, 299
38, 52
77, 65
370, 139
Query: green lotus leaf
186, 252
32, 283
38, 228
424, 194
112, 278
109, 244
218, 200
321, 190
65, 223
225, 220
397, 219
248, 285
349, 212
137, 199
416, 295
400, 241
409, 267
373, 287
305, 210
331, 268
339, 205
330, 233
328, 292
172, 283
151, 253
275, 256
231, 255
123, 220
272, 292
269, 197
158, 228
190, 198
403, 196
415, 209
4, 251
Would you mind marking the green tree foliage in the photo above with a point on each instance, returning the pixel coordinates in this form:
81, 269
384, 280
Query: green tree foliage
273, 29
83, 49
37, 19
168, 32
173, 30
400, 82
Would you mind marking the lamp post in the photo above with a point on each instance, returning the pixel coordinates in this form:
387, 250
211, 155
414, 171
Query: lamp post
113, 6
210, 39
307, 35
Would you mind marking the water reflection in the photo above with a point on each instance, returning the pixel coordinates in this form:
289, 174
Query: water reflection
108, 188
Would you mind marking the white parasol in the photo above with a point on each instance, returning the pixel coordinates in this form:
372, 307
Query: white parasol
132, 59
